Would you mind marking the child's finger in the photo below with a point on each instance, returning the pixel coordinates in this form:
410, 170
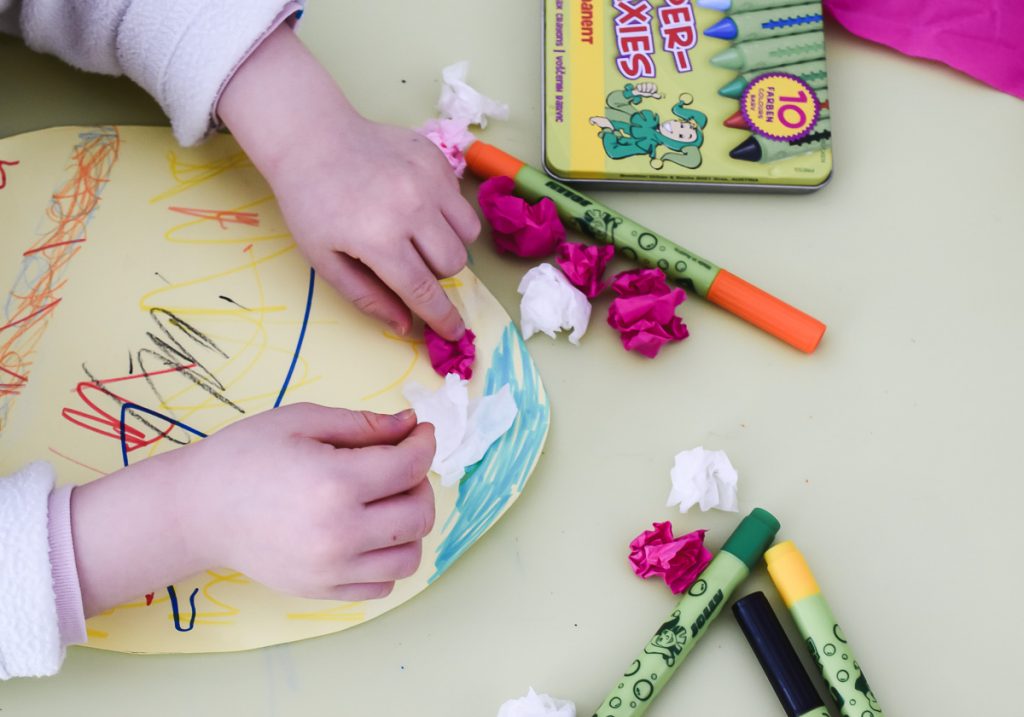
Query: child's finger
360, 591
386, 564
357, 283
386, 471
441, 249
349, 429
463, 220
403, 270
399, 519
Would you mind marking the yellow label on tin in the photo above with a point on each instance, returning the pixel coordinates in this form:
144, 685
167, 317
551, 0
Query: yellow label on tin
780, 106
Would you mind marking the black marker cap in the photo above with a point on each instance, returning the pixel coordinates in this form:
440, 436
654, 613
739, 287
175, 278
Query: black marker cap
774, 651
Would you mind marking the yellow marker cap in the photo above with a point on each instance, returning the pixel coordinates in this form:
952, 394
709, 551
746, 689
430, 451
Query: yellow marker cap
790, 573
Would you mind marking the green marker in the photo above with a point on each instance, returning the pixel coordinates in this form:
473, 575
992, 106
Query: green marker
774, 51
824, 638
762, 24
701, 604
639, 244
745, 5
813, 73
760, 149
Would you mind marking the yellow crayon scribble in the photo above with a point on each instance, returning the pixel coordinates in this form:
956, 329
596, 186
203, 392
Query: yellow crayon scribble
192, 175
342, 613
413, 343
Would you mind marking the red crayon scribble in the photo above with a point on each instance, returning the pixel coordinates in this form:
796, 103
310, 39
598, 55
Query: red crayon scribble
104, 423
247, 248
222, 217
38, 283
3, 174
149, 598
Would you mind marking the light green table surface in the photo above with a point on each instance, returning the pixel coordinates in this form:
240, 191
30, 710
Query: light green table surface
892, 455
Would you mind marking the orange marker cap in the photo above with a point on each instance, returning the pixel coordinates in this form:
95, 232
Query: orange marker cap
765, 311
486, 161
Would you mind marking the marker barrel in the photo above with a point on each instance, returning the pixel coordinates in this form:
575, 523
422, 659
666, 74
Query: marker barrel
650, 249
699, 606
821, 632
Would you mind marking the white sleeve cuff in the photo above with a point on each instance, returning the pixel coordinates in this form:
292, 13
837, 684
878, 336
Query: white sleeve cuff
30, 643
182, 53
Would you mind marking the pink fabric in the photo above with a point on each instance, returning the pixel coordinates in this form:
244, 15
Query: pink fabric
984, 38
584, 265
70, 612
452, 137
677, 560
644, 311
528, 230
451, 356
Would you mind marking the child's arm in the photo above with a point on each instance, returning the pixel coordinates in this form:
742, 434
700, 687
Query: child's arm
308, 500
376, 209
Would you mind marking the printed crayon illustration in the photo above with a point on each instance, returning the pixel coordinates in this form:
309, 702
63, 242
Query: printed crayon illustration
626, 130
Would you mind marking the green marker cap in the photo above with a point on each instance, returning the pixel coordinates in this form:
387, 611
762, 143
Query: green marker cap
752, 536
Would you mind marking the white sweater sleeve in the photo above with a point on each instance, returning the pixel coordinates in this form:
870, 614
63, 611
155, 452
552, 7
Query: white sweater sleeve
30, 642
181, 51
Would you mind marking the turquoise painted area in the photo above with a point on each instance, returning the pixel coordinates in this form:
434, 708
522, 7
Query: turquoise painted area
490, 485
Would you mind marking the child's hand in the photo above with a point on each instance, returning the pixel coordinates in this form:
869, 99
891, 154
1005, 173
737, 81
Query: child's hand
376, 209
314, 501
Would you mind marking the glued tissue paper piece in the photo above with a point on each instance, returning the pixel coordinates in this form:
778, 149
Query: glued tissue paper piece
463, 429
461, 102
527, 230
676, 560
704, 477
451, 356
534, 705
550, 304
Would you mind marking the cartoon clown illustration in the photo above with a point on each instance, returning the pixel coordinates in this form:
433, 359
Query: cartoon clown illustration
626, 130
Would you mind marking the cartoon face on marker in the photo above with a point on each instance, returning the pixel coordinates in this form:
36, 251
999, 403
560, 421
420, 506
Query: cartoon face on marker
668, 641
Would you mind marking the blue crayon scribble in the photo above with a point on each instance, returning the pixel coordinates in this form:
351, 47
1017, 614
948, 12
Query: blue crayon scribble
174, 609
791, 21
298, 344
490, 485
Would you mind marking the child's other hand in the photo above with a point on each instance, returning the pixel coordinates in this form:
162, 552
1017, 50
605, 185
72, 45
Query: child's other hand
376, 209
314, 501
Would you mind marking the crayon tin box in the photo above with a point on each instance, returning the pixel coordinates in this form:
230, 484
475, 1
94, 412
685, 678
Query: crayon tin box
686, 93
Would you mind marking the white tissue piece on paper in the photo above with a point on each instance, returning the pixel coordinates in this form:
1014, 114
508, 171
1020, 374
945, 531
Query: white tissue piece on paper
463, 429
550, 304
704, 477
461, 102
534, 705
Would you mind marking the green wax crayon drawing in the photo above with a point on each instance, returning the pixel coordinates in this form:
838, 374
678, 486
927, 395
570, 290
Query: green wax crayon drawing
699, 606
763, 24
813, 73
760, 54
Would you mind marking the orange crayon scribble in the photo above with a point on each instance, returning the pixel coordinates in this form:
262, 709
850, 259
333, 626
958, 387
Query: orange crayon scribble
221, 216
26, 314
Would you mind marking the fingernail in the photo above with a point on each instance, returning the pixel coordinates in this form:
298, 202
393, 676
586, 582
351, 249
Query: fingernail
398, 328
406, 415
